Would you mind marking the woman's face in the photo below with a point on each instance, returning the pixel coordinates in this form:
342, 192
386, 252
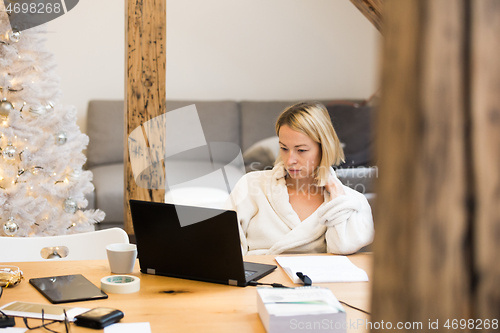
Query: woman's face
300, 154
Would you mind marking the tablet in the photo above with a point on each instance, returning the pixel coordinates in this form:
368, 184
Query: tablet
67, 288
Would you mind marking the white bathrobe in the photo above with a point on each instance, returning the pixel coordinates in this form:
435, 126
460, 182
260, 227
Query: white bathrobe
269, 225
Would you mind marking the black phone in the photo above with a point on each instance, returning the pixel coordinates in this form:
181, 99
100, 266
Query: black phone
98, 318
6, 321
67, 288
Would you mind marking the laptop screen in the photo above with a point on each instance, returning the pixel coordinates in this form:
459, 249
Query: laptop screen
208, 250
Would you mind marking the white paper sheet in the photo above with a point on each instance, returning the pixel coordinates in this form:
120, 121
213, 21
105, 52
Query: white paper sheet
299, 301
128, 328
322, 269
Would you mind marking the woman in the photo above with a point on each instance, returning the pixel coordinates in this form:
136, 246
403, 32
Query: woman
300, 206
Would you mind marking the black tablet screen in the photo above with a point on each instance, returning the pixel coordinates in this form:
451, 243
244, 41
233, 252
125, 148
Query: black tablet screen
67, 288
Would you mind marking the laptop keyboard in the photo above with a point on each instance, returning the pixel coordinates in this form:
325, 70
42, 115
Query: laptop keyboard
249, 273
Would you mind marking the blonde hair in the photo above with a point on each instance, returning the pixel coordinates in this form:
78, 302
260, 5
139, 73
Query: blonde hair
313, 120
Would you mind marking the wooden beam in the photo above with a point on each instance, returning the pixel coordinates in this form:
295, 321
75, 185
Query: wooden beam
372, 10
145, 84
422, 253
485, 120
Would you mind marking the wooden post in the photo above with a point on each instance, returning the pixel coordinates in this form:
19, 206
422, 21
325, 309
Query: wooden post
422, 261
438, 213
485, 120
372, 10
145, 83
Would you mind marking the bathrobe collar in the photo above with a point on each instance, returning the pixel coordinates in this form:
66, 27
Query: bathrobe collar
301, 232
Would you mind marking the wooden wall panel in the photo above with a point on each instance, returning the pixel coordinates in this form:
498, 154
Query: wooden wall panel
145, 84
422, 261
486, 157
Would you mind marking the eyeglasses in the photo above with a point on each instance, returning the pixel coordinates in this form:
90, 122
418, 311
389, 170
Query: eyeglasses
6, 321
44, 325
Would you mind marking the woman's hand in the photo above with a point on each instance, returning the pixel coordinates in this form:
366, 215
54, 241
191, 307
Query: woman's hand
334, 186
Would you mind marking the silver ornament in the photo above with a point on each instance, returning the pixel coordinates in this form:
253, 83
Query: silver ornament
9, 152
38, 110
14, 35
5, 108
70, 205
61, 138
10, 227
54, 255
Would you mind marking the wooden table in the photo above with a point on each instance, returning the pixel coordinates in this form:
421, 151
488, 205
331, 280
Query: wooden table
178, 305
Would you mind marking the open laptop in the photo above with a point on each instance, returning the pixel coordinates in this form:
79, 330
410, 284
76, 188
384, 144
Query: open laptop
209, 250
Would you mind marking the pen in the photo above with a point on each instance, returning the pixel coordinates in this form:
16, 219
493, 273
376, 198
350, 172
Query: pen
305, 279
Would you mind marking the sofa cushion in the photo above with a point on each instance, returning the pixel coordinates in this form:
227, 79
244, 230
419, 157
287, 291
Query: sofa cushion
360, 179
258, 120
353, 125
201, 174
109, 189
262, 154
220, 120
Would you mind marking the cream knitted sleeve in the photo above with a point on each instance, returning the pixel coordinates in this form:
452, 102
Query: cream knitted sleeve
349, 222
241, 202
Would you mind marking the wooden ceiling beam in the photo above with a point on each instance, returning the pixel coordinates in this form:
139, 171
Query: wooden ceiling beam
372, 10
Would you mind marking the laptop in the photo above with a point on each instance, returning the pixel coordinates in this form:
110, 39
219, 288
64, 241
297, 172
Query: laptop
208, 251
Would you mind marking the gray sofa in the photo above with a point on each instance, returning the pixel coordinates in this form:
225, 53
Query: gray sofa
243, 123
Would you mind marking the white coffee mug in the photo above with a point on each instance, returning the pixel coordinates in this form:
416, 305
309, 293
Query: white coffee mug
121, 257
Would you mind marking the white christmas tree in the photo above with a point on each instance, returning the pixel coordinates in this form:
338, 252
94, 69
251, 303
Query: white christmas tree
42, 184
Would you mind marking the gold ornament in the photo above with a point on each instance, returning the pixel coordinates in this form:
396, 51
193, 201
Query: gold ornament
5, 108
10, 276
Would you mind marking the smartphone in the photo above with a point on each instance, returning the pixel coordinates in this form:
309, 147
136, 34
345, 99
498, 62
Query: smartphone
34, 310
99, 318
67, 288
